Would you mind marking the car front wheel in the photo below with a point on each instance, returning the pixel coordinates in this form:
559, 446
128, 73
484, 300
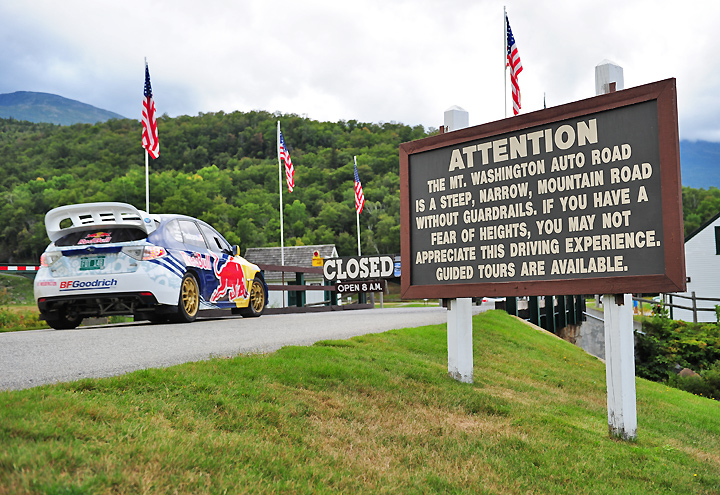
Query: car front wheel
189, 301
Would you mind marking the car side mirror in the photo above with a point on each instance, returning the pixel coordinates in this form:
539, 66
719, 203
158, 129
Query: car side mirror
236, 250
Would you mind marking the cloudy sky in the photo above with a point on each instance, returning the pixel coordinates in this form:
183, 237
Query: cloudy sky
368, 60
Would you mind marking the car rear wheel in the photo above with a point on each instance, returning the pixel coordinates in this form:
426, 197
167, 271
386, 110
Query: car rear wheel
64, 320
257, 302
189, 302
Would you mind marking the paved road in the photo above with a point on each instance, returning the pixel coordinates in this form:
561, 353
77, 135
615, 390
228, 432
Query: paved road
37, 357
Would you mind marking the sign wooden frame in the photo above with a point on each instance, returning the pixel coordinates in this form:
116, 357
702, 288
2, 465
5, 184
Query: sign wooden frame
671, 278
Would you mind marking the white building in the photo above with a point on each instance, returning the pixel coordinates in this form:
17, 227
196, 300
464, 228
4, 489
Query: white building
702, 264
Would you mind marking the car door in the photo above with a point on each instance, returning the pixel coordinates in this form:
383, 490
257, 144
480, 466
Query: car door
196, 250
231, 289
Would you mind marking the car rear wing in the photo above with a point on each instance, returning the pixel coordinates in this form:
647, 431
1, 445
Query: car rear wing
72, 218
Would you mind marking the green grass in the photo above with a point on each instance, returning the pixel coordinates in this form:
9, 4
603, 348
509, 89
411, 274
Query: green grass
18, 289
373, 414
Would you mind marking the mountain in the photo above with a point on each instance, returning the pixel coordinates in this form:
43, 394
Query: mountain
49, 108
700, 164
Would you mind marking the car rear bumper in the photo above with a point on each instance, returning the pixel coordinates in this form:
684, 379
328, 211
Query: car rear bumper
162, 284
88, 305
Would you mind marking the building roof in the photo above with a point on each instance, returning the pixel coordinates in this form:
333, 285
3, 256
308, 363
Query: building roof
294, 256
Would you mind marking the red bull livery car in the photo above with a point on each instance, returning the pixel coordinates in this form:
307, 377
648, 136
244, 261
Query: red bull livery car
112, 259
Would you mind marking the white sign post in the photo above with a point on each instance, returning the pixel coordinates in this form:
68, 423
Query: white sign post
619, 337
459, 325
460, 339
620, 366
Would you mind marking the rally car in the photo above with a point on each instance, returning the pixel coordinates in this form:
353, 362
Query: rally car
113, 259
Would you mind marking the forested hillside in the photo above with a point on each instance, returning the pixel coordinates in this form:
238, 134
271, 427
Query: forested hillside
699, 205
219, 167
223, 168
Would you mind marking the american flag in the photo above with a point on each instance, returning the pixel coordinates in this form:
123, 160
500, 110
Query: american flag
150, 132
513, 61
289, 169
359, 196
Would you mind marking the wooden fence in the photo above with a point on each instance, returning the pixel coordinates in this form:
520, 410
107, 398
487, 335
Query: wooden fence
296, 292
668, 303
549, 312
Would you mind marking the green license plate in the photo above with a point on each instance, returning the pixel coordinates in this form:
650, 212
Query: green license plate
92, 263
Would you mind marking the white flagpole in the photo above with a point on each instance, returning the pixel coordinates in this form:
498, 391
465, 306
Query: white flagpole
147, 174
147, 184
505, 58
357, 213
282, 234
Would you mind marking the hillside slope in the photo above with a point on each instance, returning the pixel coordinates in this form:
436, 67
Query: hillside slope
372, 414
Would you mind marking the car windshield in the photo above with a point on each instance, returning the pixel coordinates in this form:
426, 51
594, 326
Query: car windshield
101, 236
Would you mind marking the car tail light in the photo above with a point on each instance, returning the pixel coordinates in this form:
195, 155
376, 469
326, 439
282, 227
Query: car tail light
47, 259
152, 252
144, 253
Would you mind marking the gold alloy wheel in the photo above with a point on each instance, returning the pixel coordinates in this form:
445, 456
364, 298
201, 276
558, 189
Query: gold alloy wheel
190, 296
257, 297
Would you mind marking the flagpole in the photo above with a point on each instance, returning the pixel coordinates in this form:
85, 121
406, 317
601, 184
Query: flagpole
357, 215
147, 176
505, 59
147, 184
282, 234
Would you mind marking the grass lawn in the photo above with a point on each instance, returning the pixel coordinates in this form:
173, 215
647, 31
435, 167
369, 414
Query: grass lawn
18, 310
373, 414
17, 289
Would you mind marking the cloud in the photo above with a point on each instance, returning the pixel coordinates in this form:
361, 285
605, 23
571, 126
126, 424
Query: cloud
371, 60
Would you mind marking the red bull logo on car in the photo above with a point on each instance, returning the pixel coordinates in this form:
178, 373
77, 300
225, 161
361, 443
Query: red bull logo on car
96, 238
231, 281
197, 260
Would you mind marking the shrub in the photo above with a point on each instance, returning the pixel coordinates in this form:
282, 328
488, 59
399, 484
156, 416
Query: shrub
706, 385
19, 320
665, 344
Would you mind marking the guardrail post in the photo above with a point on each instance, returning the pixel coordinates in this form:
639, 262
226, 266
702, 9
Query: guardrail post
511, 306
579, 308
550, 314
300, 296
534, 310
694, 306
571, 311
330, 295
562, 317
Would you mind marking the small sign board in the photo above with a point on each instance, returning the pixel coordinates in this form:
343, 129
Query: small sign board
317, 260
358, 267
360, 286
581, 198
